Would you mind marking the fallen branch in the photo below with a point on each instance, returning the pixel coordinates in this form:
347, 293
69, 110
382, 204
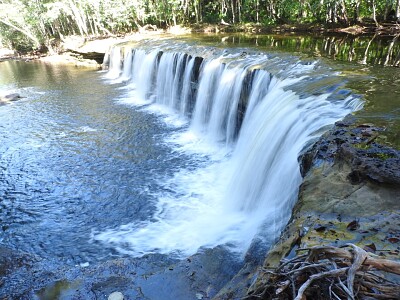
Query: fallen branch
327, 272
305, 285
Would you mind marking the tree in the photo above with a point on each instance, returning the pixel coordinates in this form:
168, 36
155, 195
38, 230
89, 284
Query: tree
33, 23
14, 17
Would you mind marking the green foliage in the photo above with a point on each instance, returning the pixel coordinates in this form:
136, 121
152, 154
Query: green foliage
31, 23
14, 39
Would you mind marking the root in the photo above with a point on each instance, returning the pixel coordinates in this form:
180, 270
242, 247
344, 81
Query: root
326, 272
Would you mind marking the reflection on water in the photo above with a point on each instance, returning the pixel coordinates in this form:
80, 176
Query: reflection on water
370, 50
368, 64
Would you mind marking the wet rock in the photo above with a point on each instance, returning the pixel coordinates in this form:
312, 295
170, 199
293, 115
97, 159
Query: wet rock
10, 97
240, 283
355, 145
116, 296
150, 277
350, 194
375, 162
10, 261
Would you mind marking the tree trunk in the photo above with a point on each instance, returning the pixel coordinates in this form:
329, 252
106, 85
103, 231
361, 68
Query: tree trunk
233, 12
357, 12
258, 11
79, 19
344, 12
196, 12
397, 10
374, 13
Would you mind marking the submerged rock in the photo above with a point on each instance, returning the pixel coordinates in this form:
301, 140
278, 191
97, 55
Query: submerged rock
10, 97
150, 277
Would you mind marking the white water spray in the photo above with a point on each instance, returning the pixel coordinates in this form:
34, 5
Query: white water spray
247, 187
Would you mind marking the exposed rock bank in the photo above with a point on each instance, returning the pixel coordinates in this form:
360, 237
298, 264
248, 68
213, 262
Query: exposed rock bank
6, 54
77, 51
350, 194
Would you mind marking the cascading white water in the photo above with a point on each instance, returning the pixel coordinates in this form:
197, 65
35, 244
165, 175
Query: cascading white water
143, 68
187, 87
127, 69
259, 124
115, 63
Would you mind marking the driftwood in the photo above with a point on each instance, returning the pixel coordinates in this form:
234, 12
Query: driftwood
331, 273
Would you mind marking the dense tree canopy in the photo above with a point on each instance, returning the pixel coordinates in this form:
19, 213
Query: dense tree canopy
33, 23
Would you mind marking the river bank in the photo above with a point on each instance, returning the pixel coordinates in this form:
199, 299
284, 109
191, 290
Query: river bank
350, 194
76, 50
88, 51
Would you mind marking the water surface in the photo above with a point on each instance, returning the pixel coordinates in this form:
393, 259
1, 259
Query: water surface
76, 161
72, 160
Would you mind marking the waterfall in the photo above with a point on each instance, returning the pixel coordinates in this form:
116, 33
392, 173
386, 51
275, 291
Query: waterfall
114, 63
126, 72
259, 120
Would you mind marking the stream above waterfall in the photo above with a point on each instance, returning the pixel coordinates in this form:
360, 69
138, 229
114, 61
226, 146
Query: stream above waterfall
181, 147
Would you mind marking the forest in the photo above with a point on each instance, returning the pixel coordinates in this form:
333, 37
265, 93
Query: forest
36, 24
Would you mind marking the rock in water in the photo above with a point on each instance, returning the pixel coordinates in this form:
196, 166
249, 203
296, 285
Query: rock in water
10, 97
116, 296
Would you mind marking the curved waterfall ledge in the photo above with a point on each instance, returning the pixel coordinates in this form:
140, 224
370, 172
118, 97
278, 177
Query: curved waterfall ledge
279, 165
260, 110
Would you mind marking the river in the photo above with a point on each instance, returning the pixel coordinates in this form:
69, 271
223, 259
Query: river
96, 165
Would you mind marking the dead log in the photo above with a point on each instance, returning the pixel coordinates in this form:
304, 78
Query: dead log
327, 272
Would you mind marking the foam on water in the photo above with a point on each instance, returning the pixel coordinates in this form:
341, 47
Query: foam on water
243, 129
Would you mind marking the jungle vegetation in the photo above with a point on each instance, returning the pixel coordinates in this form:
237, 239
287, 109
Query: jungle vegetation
32, 24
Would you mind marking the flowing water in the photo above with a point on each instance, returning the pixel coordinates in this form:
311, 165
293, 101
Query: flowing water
176, 147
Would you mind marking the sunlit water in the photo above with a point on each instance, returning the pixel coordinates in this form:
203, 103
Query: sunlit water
72, 161
247, 122
95, 165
